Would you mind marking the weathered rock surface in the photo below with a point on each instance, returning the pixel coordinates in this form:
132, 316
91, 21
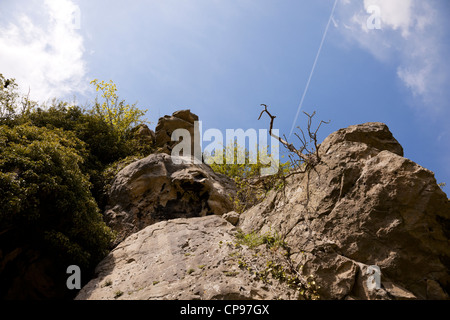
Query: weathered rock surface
155, 189
179, 259
232, 217
183, 119
364, 205
145, 134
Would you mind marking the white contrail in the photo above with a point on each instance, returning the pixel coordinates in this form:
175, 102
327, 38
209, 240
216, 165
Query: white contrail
314, 66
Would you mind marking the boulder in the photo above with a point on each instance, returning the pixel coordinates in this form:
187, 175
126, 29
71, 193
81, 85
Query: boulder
232, 217
179, 259
155, 189
364, 205
144, 133
183, 119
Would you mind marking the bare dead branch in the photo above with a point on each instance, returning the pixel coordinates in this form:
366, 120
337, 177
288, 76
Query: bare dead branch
289, 146
306, 158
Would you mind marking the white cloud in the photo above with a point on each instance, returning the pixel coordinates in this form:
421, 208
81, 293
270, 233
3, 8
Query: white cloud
416, 79
409, 38
45, 53
394, 13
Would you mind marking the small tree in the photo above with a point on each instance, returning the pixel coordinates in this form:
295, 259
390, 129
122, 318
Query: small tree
12, 103
304, 159
114, 112
8, 97
45, 194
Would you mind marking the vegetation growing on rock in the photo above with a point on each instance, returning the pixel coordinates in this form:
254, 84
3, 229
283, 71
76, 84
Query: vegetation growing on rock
53, 179
273, 263
45, 194
355, 204
251, 187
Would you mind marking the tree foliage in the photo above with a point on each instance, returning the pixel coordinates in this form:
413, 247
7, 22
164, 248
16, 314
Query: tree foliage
251, 186
117, 113
44, 191
103, 142
8, 97
11, 101
52, 163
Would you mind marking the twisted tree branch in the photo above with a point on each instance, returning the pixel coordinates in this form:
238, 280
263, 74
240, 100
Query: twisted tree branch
307, 159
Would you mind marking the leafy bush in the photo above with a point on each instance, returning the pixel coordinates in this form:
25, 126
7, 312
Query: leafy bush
52, 183
8, 97
251, 186
102, 143
116, 113
108, 133
44, 193
100, 138
255, 239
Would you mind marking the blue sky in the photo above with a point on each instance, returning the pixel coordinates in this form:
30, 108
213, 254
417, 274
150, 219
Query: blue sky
222, 59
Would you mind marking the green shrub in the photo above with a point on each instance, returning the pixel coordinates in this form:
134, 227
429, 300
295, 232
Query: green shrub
8, 97
255, 239
44, 193
100, 138
121, 116
13, 103
251, 186
103, 147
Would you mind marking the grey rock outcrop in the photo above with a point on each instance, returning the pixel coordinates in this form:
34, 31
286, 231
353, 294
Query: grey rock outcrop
154, 189
178, 259
183, 119
145, 134
364, 205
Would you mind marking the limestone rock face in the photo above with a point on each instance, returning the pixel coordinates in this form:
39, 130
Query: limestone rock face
364, 205
155, 189
144, 133
365, 208
375, 135
178, 259
183, 119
